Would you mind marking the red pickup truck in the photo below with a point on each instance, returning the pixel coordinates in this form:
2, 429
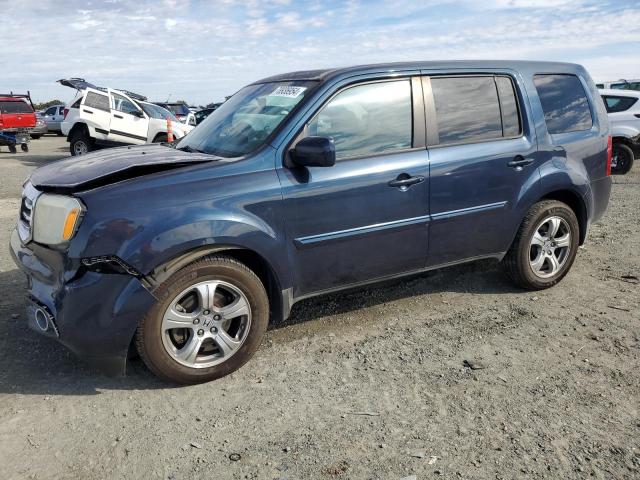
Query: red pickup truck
16, 118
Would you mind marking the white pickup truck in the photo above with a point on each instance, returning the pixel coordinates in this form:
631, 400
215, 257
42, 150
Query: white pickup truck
102, 117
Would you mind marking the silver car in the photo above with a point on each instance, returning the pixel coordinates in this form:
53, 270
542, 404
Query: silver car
53, 117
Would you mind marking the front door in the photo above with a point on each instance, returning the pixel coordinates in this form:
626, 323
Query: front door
483, 154
129, 124
366, 217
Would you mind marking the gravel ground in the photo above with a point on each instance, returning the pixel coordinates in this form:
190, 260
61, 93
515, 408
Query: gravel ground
363, 384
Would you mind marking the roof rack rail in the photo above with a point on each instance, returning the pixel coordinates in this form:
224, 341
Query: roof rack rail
20, 95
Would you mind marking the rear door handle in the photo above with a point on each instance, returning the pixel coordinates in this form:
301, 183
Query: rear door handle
519, 162
118, 116
404, 181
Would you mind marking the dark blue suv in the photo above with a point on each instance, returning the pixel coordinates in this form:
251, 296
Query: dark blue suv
307, 183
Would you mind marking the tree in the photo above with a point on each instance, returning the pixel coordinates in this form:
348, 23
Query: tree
42, 106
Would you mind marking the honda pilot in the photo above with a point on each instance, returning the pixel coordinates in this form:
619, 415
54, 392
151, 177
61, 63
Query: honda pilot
307, 183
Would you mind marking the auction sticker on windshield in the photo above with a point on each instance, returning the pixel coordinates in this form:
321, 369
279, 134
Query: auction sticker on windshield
287, 91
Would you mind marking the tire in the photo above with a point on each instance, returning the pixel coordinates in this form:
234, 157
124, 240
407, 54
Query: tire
162, 347
528, 262
35, 137
24, 147
12, 149
60, 134
623, 159
160, 138
80, 143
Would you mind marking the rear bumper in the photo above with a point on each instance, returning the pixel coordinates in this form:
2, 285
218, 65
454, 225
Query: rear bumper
95, 315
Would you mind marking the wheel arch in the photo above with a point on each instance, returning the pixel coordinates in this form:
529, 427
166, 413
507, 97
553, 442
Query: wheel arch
252, 259
574, 201
78, 126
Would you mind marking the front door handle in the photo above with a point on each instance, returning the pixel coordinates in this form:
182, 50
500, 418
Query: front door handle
519, 162
404, 181
118, 116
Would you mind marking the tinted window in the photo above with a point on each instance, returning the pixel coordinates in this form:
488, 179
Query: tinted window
599, 85
60, 110
509, 107
51, 111
367, 119
17, 106
95, 100
156, 111
467, 109
565, 104
618, 104
122, 104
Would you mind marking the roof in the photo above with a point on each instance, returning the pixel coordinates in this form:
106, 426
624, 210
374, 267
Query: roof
619, 93
328, 73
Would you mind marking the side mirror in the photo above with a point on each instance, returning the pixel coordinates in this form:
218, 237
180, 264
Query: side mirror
314, 152
138, 113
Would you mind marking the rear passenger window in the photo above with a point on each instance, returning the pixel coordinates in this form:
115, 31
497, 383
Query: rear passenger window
564, 101
17, 106
95, 100
509, 107
468, 109
618, 104
367, 119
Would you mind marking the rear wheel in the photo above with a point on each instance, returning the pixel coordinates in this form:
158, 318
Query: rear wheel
209, 320
80, 143
35, 136
545, 247
160, 138
622, 159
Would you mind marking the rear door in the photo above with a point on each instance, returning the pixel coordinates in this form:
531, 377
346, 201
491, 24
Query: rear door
483, 154
96, 113
366, 217
129, 124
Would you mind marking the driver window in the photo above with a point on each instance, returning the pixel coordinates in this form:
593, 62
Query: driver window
367, 119
123, 105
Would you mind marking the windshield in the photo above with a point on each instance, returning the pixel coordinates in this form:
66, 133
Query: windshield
156, 111
178, 108
244, 122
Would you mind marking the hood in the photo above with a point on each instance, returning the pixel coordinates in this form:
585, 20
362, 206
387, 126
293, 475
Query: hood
112, 165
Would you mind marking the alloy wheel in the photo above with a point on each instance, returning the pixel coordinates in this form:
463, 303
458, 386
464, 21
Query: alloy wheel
206, 324
550, 247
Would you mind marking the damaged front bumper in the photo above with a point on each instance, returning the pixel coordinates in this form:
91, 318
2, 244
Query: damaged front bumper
94, 314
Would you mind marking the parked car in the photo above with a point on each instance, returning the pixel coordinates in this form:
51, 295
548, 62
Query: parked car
181, 111
200, 115
633, 84
53, 117
100, 117
623, 108
40, 128
17, 118
307, 183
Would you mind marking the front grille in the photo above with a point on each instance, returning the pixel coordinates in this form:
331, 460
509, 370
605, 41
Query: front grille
25, 219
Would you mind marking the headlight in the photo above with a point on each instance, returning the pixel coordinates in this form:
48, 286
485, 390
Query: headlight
55, 218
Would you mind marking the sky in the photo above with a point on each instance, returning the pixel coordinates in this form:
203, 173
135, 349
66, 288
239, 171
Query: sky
202, 51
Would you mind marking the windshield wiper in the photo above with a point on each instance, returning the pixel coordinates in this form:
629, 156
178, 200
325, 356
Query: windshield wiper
190, 149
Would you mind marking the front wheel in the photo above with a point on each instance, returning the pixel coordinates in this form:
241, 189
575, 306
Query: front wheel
209, 320
622, 159
545, 246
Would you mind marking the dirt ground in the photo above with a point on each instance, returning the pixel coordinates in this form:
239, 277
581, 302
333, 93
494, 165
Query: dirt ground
363, 384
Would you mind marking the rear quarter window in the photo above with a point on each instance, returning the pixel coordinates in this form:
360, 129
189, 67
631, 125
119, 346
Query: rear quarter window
564, 102
616, 104
95, 100
15, 107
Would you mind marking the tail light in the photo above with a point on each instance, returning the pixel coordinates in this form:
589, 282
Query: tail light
609, 155
65, 112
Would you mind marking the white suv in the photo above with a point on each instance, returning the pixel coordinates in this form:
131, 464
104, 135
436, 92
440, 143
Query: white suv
99, 117
623, 107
